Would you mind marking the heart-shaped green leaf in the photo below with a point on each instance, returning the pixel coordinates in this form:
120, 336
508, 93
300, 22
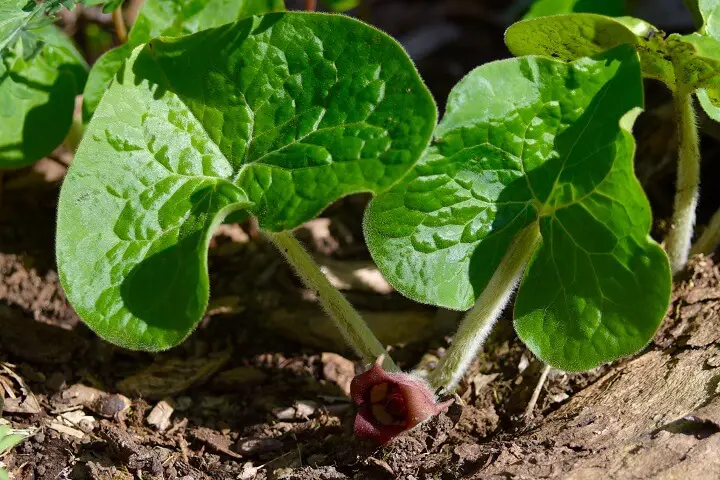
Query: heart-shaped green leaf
534, 140
569, 37
168, 18
295, 109
37, 97
544, 8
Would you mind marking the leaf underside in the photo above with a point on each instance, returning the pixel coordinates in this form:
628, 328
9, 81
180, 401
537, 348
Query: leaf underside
282, 114
573, 36
534, 140
168, 18
37, 98
682, 62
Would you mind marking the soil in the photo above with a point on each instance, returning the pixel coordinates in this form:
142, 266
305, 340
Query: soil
261, 389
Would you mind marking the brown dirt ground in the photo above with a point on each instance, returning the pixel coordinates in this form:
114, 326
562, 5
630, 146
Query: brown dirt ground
260, 390
244, 401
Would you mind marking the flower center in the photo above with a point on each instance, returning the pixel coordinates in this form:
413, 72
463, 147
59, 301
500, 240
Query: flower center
387, 404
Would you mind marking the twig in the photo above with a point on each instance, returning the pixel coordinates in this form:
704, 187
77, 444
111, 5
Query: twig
710, 239
536, 392
120, 27
310, 5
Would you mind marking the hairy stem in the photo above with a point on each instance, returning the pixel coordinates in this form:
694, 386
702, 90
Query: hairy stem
119, 23
710, 239
678, 240
353, 328
310, 5
479, 321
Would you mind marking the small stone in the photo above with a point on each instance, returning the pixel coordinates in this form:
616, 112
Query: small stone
249, 472
81, 395
159, 416
111, 405
301, 410
257, 446
558, 397
714, 361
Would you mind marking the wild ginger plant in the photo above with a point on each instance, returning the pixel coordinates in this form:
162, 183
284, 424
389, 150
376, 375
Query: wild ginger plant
530, 180
689, 65
277, 116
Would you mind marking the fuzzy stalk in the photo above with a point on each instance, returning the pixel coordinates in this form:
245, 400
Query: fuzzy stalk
710, 239
679, 239
479, 321
119, 22
353, 328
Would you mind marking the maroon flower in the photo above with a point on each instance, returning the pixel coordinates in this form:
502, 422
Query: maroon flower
391, 403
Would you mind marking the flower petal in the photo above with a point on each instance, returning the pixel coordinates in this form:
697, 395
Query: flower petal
361, 384
367, 427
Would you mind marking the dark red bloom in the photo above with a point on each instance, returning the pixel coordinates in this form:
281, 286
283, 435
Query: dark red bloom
391, 403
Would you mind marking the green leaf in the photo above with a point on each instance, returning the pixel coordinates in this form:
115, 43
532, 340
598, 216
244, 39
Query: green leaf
707, 14
37, 97
697, 60
101, 75
13, 18
9, 439
543, 8
711, 104
569, 37
295, 109
692, 5
341, 5
534, 140
168, 18
112, 5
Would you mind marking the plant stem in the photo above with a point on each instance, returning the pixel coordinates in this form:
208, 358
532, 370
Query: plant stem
353, 328
710, 239
479, 321
120, 27
687, 191
310, 5
536, 393
74, 136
